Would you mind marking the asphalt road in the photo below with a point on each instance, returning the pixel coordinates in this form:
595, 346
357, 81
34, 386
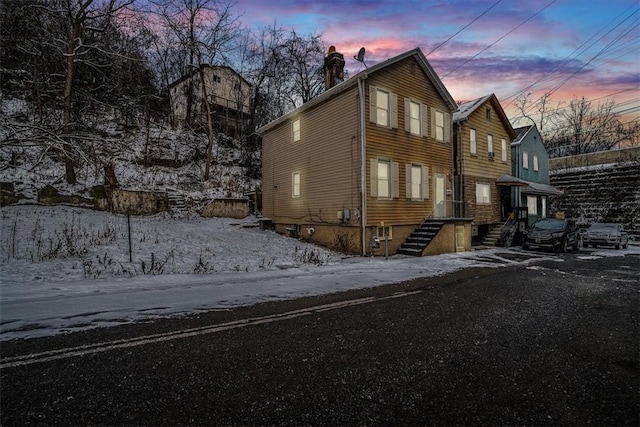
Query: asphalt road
555, 343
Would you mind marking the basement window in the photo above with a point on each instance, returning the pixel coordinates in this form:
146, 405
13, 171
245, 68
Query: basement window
384, 231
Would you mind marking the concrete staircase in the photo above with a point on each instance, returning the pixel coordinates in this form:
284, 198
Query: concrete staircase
493, 236
176, 200
420, 238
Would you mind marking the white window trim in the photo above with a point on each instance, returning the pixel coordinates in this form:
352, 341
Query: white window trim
424, 182
503, 146
392, 107
295, 130
380, 232
525, 160
535, 163
446, 126
473, 142
490, 148
422, 121
482, 185
394, 179
295, 194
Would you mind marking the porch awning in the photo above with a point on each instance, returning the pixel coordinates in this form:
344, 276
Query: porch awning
527, 186
542, 189
511, 181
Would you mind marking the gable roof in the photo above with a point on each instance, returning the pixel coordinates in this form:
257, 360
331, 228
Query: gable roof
521, 132
213, 67
352, 81
466, 109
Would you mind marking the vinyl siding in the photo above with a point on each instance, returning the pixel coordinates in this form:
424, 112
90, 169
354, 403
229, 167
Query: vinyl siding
405, 79
327, 156
478, 167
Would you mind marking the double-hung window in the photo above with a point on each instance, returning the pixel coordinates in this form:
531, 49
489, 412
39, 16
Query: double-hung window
384, 178
414, 118
295, 184
439, 125
473, 142
535, 163
417, 182
503, 144
490, 145
525, 160
383, 106
295, 130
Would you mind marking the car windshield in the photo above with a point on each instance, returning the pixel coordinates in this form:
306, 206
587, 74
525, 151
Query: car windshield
550, 225
603, 227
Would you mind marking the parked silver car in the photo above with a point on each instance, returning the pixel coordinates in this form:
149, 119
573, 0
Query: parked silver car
605, 234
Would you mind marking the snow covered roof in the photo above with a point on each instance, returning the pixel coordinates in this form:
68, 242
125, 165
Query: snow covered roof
466, 109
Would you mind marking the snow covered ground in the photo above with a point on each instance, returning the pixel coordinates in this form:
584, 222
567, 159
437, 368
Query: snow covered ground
67, 269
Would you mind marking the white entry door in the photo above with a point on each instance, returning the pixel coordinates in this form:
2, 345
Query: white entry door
439, 195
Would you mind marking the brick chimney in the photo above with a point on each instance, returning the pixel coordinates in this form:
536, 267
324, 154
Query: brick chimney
333, 68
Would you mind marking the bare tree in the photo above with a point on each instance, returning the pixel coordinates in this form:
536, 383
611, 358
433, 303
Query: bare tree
285, 70
541, 108
585, 128
206, 30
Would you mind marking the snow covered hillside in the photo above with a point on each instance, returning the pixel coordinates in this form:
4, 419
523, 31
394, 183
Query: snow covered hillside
156, 158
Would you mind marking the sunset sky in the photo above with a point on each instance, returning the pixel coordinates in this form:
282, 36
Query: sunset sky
571, 48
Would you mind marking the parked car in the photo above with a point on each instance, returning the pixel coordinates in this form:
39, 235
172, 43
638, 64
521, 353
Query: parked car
556, 234
606, 234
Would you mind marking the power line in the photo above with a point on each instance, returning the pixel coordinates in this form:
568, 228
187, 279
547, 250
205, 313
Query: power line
499, 39
566, 59
463, 28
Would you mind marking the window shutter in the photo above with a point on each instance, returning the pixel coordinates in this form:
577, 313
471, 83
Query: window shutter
407, 169
425, 182
433, 123
373, 163
373, 108
407, 115
395, 173
424, 116
447, 127
393, 110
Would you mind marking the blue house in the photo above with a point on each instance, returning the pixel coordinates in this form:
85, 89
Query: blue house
530, 167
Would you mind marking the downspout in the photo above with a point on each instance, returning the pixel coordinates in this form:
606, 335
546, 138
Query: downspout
518, 174
363, 165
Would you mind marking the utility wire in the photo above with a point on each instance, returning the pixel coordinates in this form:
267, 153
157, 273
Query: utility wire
566, 59
502, 37
463, 28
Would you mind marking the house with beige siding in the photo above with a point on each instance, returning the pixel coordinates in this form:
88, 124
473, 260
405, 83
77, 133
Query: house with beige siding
483, 135
227, 93
366, 167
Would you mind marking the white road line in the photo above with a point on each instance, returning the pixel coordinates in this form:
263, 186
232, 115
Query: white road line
64, 353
